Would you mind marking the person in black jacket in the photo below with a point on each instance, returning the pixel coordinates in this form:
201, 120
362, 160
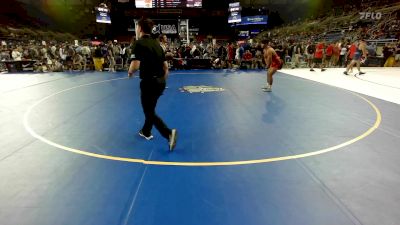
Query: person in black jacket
149, 57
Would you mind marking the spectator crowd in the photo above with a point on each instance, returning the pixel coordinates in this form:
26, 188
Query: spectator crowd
335, 36
112, 56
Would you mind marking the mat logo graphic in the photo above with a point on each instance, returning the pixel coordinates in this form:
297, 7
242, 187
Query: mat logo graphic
370, 15
200, 89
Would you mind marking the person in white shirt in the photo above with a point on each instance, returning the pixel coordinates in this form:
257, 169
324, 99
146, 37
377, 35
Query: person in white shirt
163, 42
16, 54
343, 54
63, 53
53, 50
123, 50
237, 56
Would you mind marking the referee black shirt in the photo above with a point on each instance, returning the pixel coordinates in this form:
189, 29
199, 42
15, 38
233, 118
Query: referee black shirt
151, 56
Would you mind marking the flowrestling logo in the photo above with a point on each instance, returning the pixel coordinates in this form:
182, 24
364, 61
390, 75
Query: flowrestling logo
370, 15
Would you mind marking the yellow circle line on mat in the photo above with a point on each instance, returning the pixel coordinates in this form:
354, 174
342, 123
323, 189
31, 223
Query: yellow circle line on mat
170, 163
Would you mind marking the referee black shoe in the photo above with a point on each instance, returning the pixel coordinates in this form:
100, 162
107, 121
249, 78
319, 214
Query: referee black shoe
172, 139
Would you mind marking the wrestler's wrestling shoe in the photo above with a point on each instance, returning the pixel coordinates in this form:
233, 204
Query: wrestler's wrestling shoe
267, 88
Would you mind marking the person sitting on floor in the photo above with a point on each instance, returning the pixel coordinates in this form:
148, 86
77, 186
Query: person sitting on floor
78, 62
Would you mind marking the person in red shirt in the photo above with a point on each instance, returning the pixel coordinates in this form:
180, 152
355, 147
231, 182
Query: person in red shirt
273, 63
329, 53
352, 50
231, 55
318, 56
247, 58
350, 55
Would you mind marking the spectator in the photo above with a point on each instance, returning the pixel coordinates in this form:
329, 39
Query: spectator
222, 54
53, 50
43, 52
296, 54
98, 59
336, 54
25, 53
5, 54
163, 42
56, 66
17, 54
239, 55
319, 56
230, 55
69, 58
117, 50
77, 61
286, 53
343, 55
247, 59
111, 56
310, 50
351, 51
128, 54
328, 55
371, 49
187, 50
386, 54
63, 53
258, 59
86, 53
397, 56
390, 61
195, 52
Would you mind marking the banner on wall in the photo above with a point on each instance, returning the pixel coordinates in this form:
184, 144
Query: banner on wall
165, 27
103, 15
249, 20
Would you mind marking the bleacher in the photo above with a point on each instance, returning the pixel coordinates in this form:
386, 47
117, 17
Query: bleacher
333, 37
336, 26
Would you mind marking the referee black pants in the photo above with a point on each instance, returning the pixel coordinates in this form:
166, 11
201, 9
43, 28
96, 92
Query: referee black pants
151, 90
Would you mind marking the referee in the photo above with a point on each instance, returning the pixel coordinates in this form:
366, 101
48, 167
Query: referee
149, 57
